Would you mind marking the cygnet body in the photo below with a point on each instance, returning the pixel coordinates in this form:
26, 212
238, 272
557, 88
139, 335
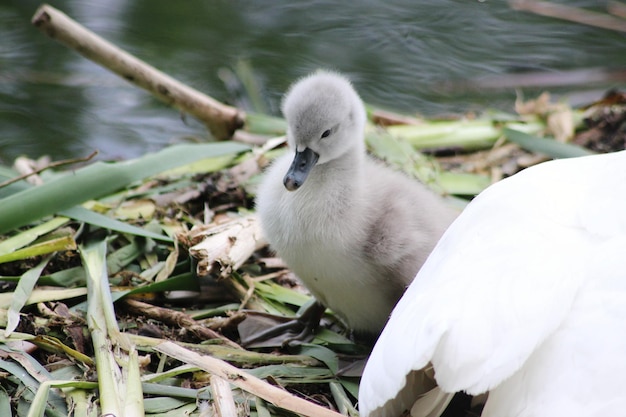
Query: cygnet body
523, 297
354, 231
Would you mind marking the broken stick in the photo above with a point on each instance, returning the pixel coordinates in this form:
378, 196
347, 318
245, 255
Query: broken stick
246, 381
221, 120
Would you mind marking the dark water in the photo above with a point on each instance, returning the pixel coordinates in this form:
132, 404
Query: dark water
403, 55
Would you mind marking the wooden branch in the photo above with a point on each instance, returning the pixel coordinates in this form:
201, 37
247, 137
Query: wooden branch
221, 120
572, 14
246, 381
176, 318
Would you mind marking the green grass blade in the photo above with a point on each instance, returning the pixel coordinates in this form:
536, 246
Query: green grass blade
548, 147
116, 358
41, 296
52, 344
292, 374
22, 239
341, 399
133, 394
204, 165
170, 373
186, 281
75, 276
464, 134
403, 155
109, 374
17, 371
98, 180
40, 403
33, 374
60, 243
463, 183
323, 354
265, 125
88, 216
168, 406
21, 294
350, 385
5, 403
176, 391
7, 173
281, 294
99, 294
261, 407
84, 404
38, 406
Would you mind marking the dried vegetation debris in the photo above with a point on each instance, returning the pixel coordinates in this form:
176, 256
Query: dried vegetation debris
605, 124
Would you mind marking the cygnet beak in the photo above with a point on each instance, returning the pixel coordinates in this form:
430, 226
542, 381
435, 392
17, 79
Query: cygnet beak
302, 164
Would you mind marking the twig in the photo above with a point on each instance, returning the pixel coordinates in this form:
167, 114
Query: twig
249, 293
177, 318
222, 120
48, 166
246, 381
572, 14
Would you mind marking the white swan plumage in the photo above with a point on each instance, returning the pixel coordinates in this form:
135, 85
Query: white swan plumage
524, 297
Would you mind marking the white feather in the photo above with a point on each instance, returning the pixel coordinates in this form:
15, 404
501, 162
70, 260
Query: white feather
523, 297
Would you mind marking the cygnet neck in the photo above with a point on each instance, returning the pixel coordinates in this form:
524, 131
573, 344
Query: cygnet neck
350, 164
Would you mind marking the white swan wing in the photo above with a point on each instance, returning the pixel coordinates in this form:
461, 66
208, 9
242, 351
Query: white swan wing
501, 280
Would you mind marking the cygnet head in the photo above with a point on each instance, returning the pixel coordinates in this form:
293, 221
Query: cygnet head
326, 119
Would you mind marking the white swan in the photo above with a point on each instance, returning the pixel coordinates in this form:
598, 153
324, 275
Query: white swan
354, 231
524, 297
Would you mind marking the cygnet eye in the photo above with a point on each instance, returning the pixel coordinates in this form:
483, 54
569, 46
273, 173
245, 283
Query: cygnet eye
326, 133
